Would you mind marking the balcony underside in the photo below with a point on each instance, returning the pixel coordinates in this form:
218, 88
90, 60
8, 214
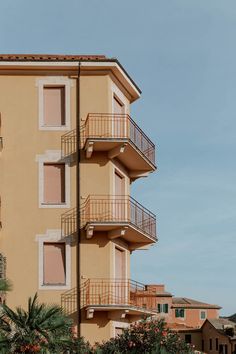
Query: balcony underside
125, 151
132, 235
119, 311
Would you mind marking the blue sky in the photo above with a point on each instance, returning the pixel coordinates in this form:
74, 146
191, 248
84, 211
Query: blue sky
182, 54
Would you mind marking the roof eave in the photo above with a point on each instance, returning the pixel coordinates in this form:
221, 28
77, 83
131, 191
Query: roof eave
89, 64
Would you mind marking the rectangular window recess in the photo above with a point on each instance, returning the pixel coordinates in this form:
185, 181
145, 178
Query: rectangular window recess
54, 184
54, 106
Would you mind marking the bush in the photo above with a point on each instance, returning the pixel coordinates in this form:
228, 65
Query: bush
146, 337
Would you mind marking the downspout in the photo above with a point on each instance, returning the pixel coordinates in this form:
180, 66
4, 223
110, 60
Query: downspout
78, 196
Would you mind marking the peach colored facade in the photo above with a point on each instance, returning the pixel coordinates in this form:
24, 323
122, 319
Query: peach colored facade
69, 145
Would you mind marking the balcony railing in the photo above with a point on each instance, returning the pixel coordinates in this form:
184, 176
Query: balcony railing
117, 292
105, 126
68, 143
118, 209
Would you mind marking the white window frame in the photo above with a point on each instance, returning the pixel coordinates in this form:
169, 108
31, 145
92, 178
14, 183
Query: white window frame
180, 308
54, 81
118, 94
53, 156
200, 313
162, 308
114, 246
53, 236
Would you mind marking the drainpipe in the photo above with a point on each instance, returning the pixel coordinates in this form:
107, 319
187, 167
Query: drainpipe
78, 196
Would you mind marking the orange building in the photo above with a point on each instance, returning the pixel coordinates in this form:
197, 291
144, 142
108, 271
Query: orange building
69, 152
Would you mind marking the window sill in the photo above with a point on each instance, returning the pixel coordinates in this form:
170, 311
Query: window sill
54, 206
54, 287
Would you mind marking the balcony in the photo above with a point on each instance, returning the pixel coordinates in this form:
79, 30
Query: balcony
119, 216
121, 296
120, 137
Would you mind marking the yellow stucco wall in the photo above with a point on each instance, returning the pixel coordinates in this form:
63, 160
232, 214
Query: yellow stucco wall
22, 219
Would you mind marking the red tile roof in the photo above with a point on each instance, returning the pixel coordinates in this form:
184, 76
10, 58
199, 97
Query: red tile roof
184, 302
50, 57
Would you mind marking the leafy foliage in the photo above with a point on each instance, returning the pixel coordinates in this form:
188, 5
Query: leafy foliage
146, 337
5, 285
41, 328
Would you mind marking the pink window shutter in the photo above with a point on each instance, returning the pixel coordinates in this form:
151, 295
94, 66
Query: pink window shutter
54, 106
54, 183
54, 263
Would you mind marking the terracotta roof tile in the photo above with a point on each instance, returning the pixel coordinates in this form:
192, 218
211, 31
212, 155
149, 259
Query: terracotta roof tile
184, 302
50, 57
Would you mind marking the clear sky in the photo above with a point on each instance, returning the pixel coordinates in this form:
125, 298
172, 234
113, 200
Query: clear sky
182, 54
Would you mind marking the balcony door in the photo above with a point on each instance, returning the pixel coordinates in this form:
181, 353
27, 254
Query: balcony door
119, 120
119, 202
120, 276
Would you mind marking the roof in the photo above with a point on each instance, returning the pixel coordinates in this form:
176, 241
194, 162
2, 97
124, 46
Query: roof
184, 302
43, 59
50, 57
163, 294
223, 326
181, 327
218, 323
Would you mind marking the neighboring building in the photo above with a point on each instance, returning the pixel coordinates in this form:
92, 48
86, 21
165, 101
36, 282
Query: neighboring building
192, 313
181, 310
219, 336
69, 151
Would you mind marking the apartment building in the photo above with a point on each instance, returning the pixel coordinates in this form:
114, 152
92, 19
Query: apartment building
69, 152
181, 312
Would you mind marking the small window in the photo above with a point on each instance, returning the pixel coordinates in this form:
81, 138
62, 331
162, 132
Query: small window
210, 344
188, 338
118, 106
54, 106
162, 308
217, 344
179, 313
203, 345
203, 315
54, 183
54, 265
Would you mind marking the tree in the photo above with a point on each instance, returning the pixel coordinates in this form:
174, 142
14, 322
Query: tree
42, 328
5, 285
146, 337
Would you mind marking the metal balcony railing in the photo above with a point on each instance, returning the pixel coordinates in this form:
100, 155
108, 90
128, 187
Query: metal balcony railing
117, 292
68, 143
105, 126
118, 209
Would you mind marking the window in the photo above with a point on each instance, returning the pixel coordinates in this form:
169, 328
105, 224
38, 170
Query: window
188, 338
179, 313
54, 102
54, 106
54, 265
54, 180
210, 344
163, 308
203, 345
203, 315
54, 183
217, 344
54, 261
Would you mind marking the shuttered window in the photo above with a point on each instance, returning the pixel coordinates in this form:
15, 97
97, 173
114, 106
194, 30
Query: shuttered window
54, 266
54, 106
54, 183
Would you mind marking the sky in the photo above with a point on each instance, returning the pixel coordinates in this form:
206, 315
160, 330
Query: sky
182, 54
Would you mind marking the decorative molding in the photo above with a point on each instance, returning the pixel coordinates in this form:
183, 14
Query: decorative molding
54, 81
53, 235
53, 156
